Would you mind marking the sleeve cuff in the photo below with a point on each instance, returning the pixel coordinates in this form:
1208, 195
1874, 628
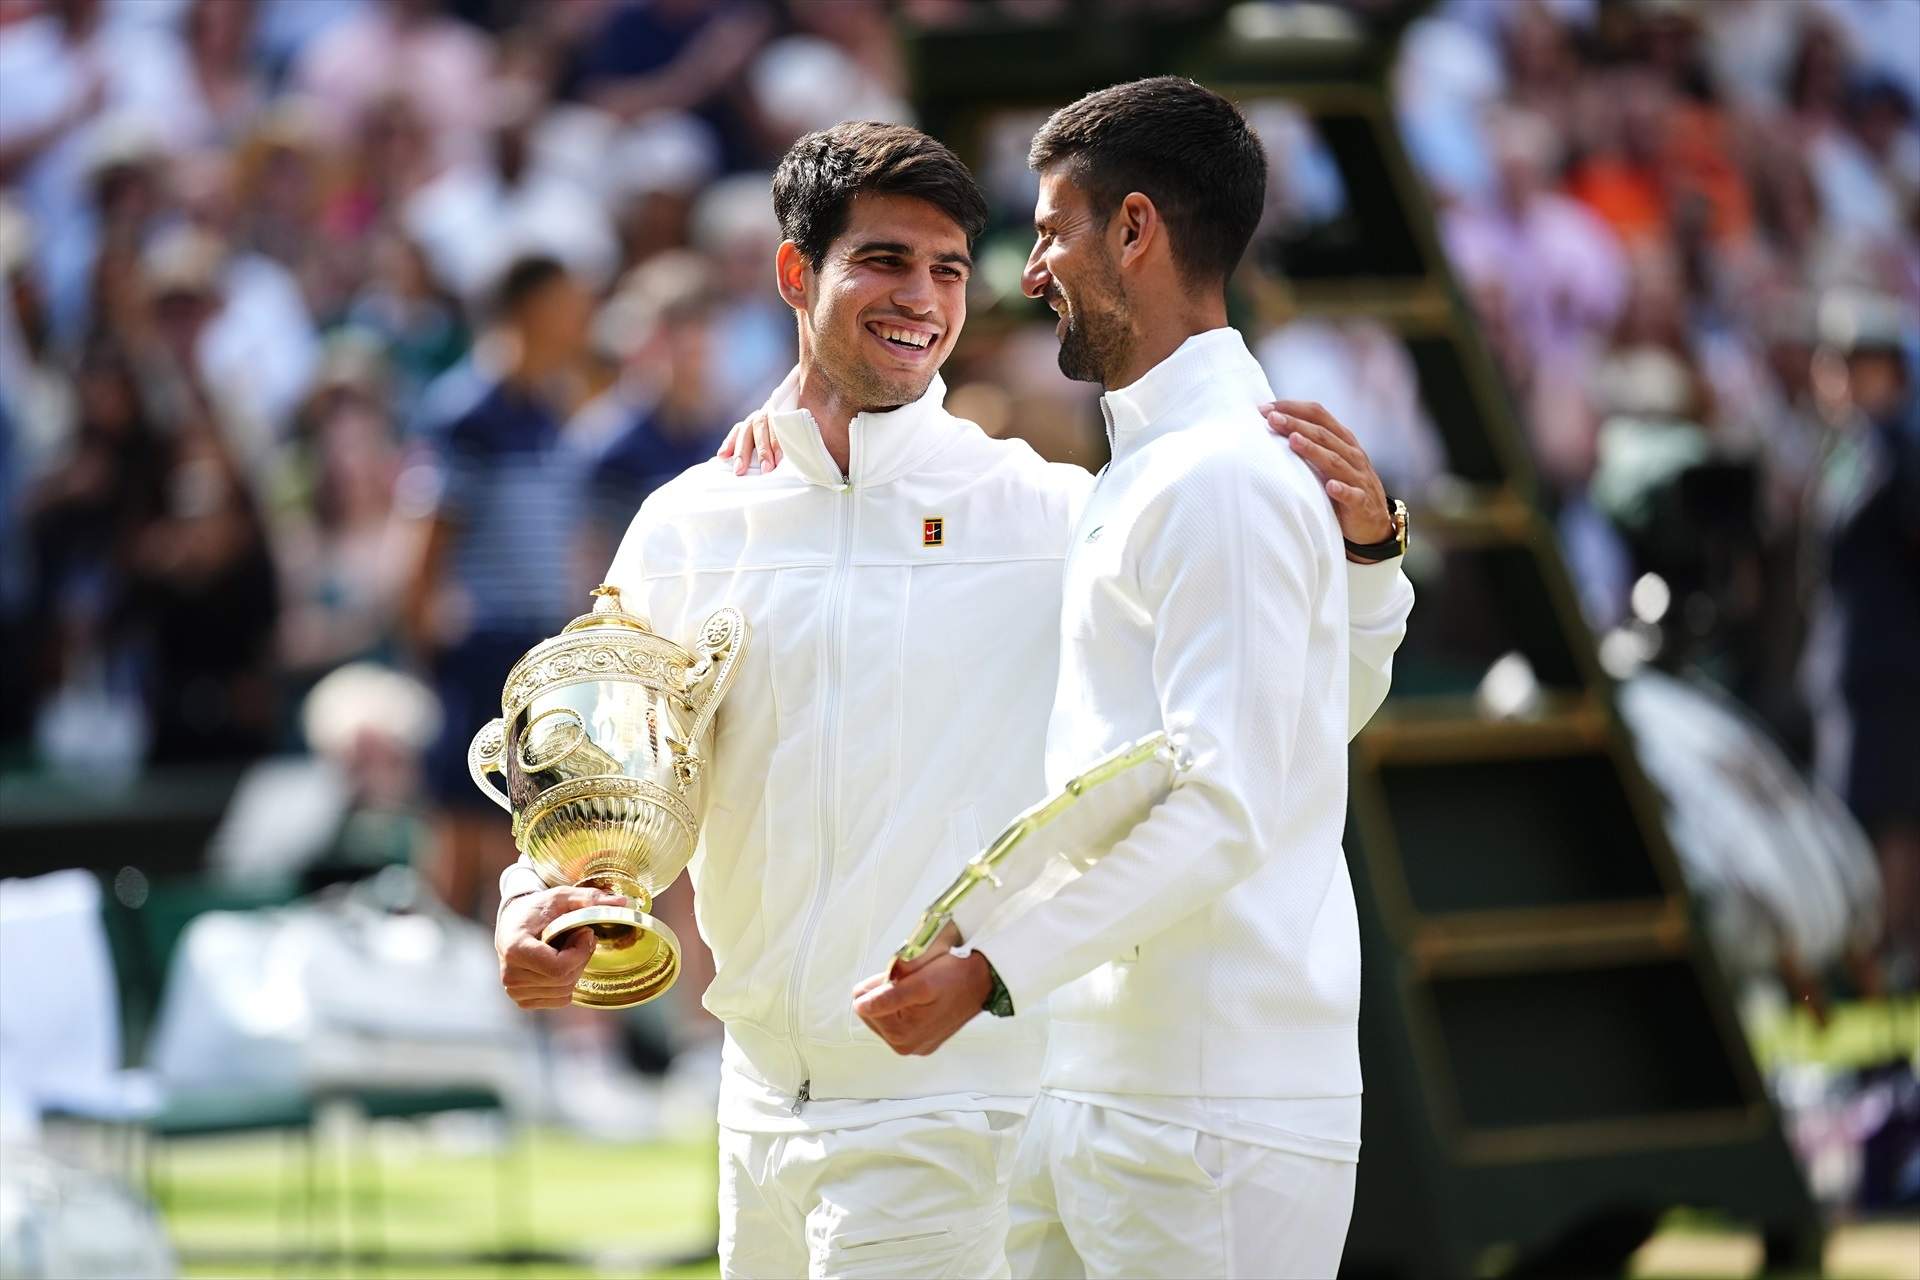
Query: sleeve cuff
973, 911
1023, 974
520, 878
1372, 589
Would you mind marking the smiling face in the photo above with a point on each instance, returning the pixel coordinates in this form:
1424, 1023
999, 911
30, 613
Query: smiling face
1072, 270
882, 312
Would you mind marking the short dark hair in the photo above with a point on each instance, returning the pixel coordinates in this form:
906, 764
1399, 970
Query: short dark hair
1185, 148
525, 276
822, 172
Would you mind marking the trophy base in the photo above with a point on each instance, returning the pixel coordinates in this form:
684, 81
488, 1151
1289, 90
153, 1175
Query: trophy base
635, 957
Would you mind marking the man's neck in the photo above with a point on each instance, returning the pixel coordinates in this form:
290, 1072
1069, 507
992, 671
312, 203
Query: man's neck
832, 412
1157, 339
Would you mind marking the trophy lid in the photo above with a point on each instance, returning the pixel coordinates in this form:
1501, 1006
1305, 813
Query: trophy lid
607, 643
607, 612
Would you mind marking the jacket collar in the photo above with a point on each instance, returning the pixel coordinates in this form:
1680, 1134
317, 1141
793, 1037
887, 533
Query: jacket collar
884, 446
1157, 402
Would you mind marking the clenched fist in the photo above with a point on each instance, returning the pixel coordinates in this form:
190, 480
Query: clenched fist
918, 1004
536, 975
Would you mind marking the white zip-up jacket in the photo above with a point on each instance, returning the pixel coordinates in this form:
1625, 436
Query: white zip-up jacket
1214, 950
887, 718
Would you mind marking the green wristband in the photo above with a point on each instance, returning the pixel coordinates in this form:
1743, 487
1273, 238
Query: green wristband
999, 1000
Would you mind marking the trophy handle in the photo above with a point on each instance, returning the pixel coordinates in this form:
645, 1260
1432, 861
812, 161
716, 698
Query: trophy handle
722, 640
571, 734
488, 754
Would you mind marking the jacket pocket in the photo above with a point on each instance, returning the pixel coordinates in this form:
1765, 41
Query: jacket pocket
892, 1253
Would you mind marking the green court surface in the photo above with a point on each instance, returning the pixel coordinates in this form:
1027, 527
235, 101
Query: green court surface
423, 1206
426, 1201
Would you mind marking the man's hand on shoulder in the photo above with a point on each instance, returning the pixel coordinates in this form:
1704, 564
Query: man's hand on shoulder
1359, 499
750, 440
535, 974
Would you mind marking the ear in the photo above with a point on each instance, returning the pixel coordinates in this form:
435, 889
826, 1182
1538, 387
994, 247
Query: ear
1139, 228
792, 274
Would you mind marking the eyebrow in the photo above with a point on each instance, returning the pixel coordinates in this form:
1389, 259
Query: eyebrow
906, 251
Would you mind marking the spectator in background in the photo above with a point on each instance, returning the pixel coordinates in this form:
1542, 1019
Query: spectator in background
127, 188
344, 559
679, 56
1880, 119
1560, 269
677, 420
475, 216
1855, 197
388, 159
734, 227
1542, 71
68, 73
1551, 279
844, 63
264, 345
34, 386
653, 173
279, 189
1883, 35
1359, 365
1444, 81
405, 49
227, 88
1651, 408
499, 567
202, 584
1862, 680
1747, 46
235, 332
82, 522
419, 324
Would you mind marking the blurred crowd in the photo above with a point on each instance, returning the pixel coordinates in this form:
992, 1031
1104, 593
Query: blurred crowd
1691, 231
353, 333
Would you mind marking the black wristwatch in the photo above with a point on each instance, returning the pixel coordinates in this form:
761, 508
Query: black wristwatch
999, 1001
1387, 548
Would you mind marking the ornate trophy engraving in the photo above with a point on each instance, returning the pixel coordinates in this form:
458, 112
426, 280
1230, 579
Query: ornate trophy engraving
603, 737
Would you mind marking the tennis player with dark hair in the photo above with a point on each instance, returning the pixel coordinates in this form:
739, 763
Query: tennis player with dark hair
1200, 1103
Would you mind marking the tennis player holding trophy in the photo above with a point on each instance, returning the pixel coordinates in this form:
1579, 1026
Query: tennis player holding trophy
901, 572
603, 736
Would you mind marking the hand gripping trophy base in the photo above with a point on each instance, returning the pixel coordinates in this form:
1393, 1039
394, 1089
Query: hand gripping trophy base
603, 738
635, 956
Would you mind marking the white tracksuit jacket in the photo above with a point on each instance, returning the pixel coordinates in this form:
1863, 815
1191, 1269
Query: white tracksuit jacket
888, 718
1214, 951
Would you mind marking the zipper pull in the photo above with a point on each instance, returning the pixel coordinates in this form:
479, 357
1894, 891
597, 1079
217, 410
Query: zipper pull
801, 1099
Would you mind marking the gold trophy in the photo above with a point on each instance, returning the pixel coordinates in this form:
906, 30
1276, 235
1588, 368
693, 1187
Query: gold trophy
603, 737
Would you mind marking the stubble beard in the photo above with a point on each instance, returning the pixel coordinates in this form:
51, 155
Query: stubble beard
1094, 346
859, 383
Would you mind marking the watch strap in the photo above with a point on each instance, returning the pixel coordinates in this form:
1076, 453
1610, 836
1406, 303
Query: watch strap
1386, 548
999, 1001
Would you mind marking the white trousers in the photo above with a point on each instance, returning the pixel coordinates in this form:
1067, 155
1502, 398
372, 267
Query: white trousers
1098, 1193
917, 1196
